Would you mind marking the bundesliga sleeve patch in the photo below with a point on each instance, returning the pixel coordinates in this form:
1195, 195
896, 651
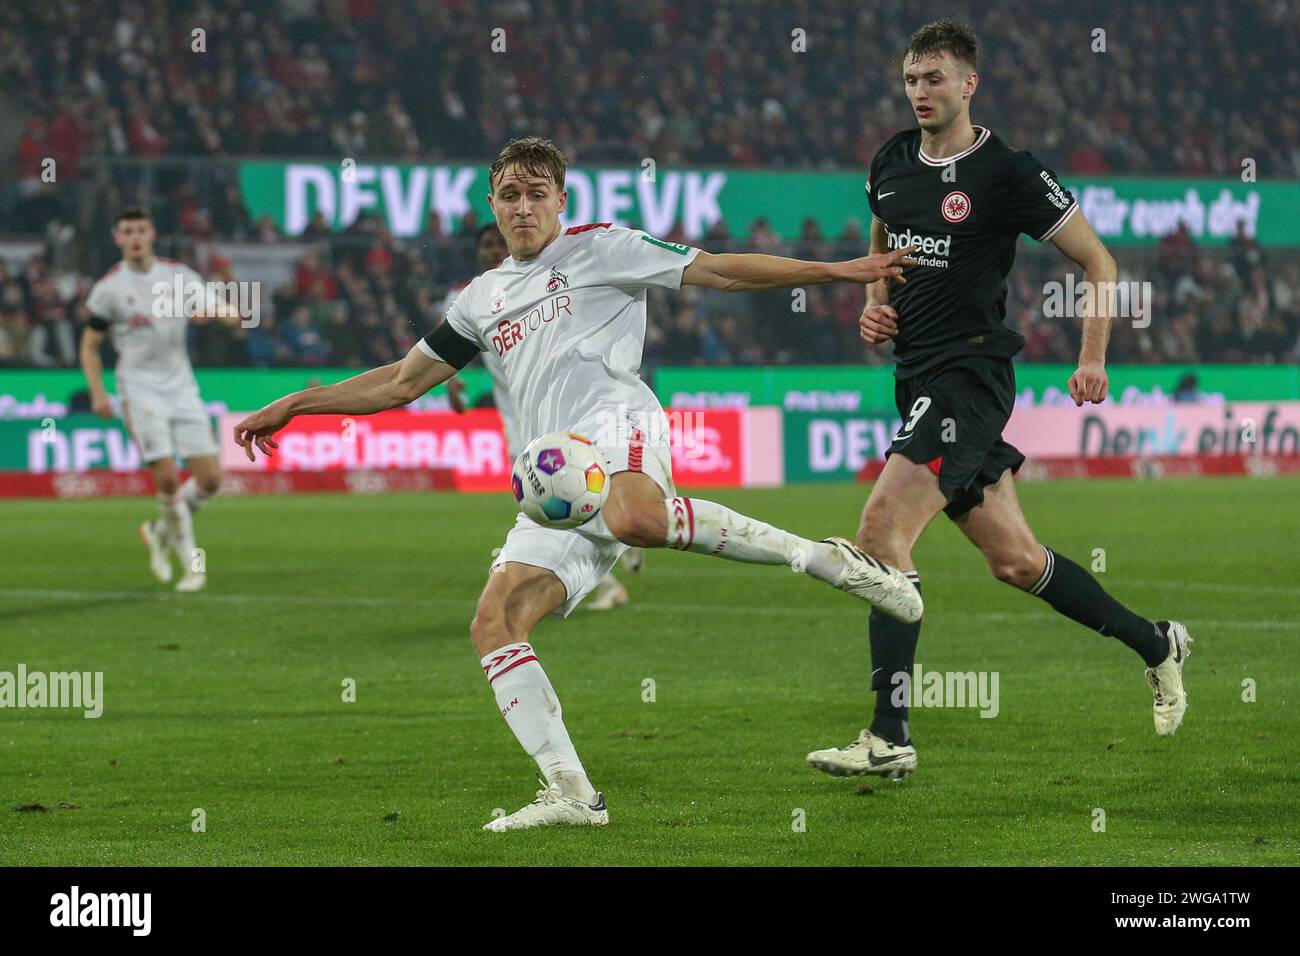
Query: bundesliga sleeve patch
450, 346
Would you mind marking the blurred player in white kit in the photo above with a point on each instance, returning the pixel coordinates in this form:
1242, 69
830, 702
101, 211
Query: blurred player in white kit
160, 401
491, 249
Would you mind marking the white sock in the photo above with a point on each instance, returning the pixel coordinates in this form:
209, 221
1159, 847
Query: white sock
193, 495
180, 528
531, 708
707, 527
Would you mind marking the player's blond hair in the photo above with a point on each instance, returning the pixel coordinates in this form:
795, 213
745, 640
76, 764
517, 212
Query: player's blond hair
533, 156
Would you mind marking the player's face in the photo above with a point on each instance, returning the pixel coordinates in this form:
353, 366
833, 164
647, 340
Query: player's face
491, 249
134, 237
528, 210
937, 87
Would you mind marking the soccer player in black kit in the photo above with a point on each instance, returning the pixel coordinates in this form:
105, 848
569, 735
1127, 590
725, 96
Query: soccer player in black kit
962, 197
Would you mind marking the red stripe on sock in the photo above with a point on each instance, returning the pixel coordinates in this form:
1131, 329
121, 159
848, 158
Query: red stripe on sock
690, 516
509, 668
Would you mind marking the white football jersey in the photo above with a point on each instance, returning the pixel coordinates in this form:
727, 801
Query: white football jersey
500, 390
567, 328
152, 358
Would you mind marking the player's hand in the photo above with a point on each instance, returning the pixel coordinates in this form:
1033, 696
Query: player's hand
101, 406
885, 265
456, 395
1089, 383
258, 428
878, 323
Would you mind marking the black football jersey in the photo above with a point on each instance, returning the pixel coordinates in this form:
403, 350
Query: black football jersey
964, 226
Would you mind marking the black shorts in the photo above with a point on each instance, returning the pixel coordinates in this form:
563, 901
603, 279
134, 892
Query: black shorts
953, 416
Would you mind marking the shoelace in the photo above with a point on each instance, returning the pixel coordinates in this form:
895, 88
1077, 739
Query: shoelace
548, 795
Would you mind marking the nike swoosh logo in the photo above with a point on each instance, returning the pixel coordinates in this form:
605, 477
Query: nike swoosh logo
883, 195
871, 759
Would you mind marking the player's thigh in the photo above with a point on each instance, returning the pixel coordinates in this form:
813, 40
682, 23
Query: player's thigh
998, 527
149, 424
515, 598
903, 501
192, 433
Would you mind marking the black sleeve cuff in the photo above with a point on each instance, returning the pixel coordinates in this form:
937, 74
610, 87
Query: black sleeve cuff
452, 347
96, 323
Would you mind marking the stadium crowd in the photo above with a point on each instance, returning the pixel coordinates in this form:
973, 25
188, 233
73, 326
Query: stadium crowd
722, 82
363, 303
738, 82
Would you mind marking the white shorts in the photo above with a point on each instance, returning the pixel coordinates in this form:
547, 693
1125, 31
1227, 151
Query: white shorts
581, 556
165, 428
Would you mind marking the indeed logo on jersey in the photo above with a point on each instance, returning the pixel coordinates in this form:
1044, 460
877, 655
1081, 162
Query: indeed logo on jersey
929, 250
510, 333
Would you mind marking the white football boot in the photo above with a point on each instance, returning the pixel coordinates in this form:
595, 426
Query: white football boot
154, 537
633, 559
608, 595
879, 584
553, 809
1166, 679
192, 581
868, 755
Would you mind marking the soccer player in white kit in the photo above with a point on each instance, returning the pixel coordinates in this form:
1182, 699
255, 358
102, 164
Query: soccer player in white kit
566, 315
160, 399
490, 247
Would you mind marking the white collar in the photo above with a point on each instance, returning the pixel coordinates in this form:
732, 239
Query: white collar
979, 141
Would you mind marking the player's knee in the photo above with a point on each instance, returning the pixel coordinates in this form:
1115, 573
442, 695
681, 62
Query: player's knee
1019, 568
210, 484
167, 484
634, 524
489, 629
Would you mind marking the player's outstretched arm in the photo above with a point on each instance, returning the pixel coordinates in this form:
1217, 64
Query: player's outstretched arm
375, 391
1077, 240
747, 272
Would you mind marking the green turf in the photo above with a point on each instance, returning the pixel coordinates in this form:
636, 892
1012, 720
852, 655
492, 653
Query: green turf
230, 700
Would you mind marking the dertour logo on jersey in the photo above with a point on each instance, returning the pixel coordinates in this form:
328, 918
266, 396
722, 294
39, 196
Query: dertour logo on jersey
930, 251
510, 333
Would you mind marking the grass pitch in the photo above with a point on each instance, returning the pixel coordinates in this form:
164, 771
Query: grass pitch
230, 701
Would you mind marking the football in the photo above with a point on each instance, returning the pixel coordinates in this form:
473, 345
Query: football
560, 480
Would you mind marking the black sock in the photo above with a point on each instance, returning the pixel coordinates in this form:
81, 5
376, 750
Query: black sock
893, 651
1075, 593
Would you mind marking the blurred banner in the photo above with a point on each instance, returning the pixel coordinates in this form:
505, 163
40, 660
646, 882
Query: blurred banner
810, 388
824, 424
1124, 211
42, 393
837, 446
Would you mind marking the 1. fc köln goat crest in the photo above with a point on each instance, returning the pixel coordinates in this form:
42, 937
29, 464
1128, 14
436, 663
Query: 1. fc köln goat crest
557, 281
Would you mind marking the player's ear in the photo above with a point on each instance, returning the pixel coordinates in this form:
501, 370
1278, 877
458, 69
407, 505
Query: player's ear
564, 200
972, 81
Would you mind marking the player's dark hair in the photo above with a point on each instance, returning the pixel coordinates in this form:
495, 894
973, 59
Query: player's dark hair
131, 213
534, 156
944, 36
